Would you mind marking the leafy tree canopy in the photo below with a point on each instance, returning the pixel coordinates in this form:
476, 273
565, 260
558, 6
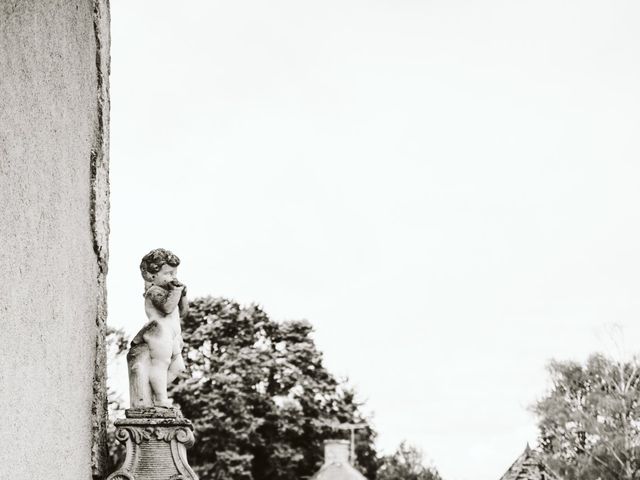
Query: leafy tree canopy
406, 463
590, 420
260, 397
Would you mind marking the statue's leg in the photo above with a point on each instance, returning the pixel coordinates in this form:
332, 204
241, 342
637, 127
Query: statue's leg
159, 341
158, 381
177, 366
138, 366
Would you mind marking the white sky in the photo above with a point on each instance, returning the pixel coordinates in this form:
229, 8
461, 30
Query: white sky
448, 190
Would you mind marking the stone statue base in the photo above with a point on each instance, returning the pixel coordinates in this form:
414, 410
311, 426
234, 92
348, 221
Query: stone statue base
156, 440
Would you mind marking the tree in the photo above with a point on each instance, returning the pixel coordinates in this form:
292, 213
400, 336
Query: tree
406, 463
590, 421
259, 396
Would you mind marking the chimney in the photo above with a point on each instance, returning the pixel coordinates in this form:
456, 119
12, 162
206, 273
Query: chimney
336, 451
336, 463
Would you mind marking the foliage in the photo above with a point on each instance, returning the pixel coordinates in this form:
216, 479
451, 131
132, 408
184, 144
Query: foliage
259, 396
590, 421
406, 463
117, 343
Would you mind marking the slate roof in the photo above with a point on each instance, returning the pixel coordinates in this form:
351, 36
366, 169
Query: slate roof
529, 466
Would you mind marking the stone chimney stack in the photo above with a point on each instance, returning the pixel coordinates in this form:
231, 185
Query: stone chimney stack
336, 463
336, 451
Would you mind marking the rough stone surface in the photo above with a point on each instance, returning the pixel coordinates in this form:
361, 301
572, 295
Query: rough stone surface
154, 412
53, 236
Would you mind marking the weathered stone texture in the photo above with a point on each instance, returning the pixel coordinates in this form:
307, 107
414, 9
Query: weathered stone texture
53, 236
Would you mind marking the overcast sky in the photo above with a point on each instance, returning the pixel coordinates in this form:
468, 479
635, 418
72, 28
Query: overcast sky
448, 190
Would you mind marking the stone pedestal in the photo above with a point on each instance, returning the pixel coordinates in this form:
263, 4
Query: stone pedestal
156, 440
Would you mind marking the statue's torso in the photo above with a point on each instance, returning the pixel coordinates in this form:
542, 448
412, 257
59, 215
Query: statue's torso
162, 332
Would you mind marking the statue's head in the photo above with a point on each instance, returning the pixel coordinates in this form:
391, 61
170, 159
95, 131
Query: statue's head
159, 266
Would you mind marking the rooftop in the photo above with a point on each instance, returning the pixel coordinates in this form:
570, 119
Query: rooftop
529, 466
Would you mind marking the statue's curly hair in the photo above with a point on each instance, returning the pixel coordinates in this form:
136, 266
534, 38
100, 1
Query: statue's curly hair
153, 261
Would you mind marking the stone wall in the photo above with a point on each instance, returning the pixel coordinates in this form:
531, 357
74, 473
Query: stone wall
53, 236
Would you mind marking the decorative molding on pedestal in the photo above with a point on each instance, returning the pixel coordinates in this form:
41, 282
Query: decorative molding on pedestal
156, 440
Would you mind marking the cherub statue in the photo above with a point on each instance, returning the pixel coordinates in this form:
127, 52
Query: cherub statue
155, 356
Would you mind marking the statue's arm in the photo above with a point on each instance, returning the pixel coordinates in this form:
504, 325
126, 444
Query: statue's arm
164, 300
184, 304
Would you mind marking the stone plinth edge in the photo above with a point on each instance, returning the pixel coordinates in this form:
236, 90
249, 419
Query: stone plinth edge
154, 412
155, 446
